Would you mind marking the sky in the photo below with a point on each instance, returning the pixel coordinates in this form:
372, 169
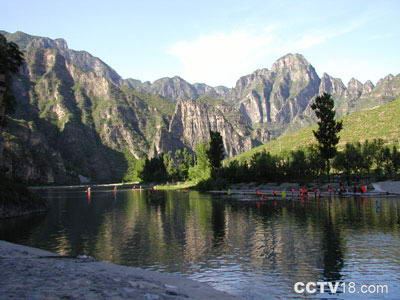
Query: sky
216, 42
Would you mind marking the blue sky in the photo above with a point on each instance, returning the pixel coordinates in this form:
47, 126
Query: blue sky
216, 42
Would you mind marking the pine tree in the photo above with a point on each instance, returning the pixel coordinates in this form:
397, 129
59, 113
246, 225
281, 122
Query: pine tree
215, 151
328, 128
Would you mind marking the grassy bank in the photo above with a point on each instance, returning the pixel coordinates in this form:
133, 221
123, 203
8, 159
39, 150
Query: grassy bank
180, 186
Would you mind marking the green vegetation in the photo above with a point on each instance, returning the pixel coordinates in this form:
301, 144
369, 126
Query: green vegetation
371, 159
287, 159
154, 170
10, 61
178, 164
202, 169
328, 128
178, 186
211, 100
168, 167
360, 158
382, 122
162, 105
215, 152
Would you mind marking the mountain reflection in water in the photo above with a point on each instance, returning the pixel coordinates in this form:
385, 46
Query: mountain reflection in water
251, 249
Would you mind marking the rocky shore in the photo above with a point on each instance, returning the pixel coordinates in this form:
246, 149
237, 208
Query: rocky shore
29, 273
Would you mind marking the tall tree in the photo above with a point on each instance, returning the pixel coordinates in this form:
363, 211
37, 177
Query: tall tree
328, 128
202, 169
215, 151
10, 60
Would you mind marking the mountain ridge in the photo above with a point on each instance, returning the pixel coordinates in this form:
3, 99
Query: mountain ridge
92, 120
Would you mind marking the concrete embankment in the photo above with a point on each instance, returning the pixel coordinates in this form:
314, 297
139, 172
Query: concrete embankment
30, 273
392, 187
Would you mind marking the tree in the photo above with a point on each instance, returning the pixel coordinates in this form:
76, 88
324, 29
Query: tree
154, 170
263, 166
328, 128
202, 169
215, 152
10, 61
350, 160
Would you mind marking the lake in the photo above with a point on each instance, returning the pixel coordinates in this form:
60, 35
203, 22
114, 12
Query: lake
255, 249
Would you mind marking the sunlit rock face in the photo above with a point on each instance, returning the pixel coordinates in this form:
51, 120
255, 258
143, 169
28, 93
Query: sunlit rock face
88, 119
275, 97
193, 120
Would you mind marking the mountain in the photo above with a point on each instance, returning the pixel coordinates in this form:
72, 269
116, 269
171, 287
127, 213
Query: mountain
75, 116
274, 97
176, 88
193, 120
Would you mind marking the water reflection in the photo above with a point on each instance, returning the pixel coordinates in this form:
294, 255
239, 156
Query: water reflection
246, 248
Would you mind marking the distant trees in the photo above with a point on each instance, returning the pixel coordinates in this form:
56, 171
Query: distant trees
328, 127
360, 158
178, 163
205, 166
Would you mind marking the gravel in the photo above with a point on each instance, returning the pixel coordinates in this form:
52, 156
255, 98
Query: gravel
30, 273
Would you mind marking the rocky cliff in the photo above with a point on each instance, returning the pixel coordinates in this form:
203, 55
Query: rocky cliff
77, 111
275, 97
76, 116
193, 120
176, 88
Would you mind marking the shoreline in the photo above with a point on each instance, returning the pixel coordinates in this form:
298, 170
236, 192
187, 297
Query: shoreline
37, 274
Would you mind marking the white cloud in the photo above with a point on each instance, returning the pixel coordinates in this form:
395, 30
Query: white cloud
220, 58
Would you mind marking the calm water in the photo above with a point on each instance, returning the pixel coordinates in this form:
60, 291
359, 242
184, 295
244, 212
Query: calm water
252, 249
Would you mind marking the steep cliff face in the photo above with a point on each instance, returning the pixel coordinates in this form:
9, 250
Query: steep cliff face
28, 155
88, 119
82, 59
193, 120
275, 97
82, 115
333, 86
